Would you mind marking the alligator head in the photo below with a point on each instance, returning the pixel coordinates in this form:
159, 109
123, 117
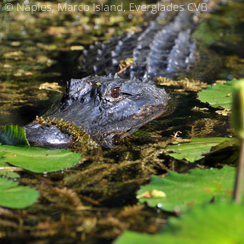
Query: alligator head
109, 108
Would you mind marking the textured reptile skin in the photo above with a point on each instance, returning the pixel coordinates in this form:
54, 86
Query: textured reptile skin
157, 49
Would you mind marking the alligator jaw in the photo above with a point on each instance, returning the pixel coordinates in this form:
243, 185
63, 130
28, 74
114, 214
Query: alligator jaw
114, 135
47, 135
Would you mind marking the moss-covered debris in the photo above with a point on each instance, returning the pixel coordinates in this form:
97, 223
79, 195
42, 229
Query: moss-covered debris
75, 131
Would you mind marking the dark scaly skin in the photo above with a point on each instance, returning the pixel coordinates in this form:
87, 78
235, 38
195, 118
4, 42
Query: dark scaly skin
158, 49
109, 108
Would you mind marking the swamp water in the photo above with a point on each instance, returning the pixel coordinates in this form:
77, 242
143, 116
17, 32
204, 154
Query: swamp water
86, 204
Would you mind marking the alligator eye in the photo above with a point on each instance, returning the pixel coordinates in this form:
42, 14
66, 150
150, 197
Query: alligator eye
115, 92
116, 140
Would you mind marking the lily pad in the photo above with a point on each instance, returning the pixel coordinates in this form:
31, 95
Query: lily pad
13, 135
14, 196
219, 95
194, 150
215, 223
7, 173
38, 159
197, 187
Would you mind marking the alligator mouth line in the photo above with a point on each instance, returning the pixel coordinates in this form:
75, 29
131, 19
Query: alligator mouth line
149, 110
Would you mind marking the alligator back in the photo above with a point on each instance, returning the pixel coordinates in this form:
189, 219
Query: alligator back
162, 47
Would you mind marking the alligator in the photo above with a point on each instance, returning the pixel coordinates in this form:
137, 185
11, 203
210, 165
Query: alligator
112, 103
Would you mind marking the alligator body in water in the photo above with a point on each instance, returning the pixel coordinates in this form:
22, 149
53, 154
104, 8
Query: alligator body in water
113, 106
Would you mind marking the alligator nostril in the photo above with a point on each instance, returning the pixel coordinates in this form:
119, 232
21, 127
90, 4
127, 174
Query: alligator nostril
115, 92
116, 140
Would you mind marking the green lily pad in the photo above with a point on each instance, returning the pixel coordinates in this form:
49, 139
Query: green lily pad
213, 224
184, 191
218, 95
14, 196
13, 135
38, 159
194, 150
5, 173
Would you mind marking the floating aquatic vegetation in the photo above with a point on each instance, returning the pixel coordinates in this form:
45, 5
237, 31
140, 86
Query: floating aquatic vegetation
214, 223
186, 84
195, 149
194, 189
14, 196
218, 95
37, 159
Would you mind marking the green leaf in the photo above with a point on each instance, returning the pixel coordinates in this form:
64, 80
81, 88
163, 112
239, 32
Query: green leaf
14, 196
197, 187
213, 224
13, 135
194, 150
218, 95
38, 159
8, 174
